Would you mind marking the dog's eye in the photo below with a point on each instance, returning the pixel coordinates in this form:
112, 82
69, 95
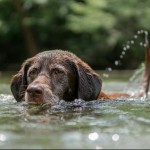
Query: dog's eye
33, 72
57, 71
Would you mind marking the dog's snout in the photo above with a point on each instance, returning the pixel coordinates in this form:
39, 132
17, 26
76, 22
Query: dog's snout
35, 90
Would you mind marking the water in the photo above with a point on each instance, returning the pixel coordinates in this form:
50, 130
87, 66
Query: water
128, 46
123, 123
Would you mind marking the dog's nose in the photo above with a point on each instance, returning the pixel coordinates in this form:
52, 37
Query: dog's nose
35, 90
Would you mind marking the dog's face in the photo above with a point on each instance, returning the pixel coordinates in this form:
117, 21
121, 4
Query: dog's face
54, 75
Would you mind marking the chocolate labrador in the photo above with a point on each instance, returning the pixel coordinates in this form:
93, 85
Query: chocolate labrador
56, 74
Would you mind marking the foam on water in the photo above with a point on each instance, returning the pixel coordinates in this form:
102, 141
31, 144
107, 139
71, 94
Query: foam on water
5, 98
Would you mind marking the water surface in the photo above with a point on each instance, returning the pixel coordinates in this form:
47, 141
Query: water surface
123, 123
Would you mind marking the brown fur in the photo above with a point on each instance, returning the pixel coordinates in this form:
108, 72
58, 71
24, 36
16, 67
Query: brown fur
54, 75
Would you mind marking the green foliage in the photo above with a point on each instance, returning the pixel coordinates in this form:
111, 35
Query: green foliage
90, 16
93, 29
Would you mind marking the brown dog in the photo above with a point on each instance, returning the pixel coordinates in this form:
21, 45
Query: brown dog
54, 75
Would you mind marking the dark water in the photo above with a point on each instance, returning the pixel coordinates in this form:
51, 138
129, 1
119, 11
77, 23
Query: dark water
123, 123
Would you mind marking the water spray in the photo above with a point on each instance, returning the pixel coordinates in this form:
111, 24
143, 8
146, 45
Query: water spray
127, 46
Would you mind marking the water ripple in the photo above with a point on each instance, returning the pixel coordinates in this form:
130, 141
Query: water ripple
5, 98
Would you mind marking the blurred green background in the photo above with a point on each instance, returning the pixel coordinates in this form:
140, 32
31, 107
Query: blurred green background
95, 30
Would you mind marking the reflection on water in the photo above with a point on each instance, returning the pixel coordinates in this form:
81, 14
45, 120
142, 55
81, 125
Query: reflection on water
115, 137
96, 124
93, 136
120, 123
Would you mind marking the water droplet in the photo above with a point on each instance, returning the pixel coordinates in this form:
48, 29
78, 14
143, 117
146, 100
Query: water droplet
123, 53
105, 75
132, 42
124, 48
109, 69
115, 137
144, 44
128, 42
116, 62
139, 32
128, 47
141, 44
93, 136
121, 56
146, 33
135, 36
142, 31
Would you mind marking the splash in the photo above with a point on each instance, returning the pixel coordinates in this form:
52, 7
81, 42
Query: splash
126, 47
4, 98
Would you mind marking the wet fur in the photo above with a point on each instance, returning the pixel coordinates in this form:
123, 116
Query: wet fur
62, 75
79, 81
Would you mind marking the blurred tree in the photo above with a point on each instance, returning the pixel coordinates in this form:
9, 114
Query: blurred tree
30, 40
93, 29
109, 24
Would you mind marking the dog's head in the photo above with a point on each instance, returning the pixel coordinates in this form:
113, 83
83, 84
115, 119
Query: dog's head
54, 75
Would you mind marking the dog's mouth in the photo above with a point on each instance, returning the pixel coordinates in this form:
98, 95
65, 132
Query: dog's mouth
38, 101
34, 103
34, 108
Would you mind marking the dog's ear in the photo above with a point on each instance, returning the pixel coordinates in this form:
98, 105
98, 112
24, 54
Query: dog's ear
89, 84
19, 81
